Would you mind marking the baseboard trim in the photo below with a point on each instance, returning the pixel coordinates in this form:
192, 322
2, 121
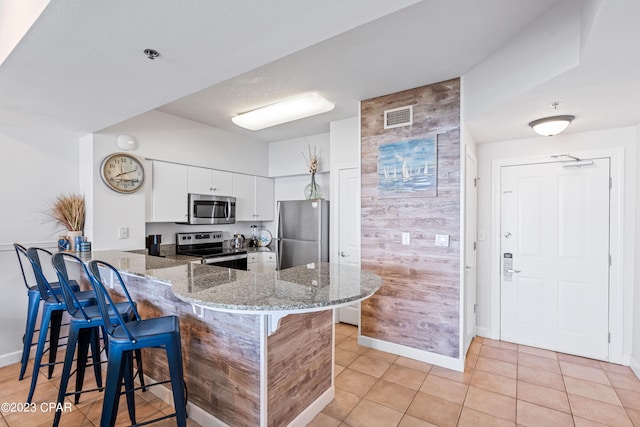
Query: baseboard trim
10, 358
204, 418
413, 353
634, 364
486, 333
306, 416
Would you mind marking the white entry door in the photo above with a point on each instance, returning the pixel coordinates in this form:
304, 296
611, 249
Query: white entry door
555, 256
349, 231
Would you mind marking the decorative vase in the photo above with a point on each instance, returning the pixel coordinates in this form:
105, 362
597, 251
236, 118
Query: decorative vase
313, 189
72, 239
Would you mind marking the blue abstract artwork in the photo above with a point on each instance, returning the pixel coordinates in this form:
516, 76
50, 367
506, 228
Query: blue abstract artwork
408, 166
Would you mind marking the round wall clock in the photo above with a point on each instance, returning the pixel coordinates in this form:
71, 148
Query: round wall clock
122, 173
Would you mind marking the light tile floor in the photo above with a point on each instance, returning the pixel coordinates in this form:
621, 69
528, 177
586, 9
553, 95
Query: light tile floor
503, 384
86, 413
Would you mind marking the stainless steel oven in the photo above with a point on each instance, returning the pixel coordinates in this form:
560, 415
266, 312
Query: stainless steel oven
236, 261
208, 247
206, 209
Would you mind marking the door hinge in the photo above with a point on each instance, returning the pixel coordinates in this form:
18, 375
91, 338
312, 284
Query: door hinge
609, 338
610, 183
475, 308
609, 260
475, 182
474, 246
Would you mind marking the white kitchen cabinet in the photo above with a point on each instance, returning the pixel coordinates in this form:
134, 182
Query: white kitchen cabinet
266, 262
252, 262
168, 193
209, 181
254, 197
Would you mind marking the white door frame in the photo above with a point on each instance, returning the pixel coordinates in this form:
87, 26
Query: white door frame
617, 305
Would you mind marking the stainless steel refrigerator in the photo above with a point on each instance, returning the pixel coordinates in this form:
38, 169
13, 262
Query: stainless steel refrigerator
302, 232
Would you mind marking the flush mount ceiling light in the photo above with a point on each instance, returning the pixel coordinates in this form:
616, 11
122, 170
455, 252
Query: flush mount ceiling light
550, 126
285, 111
126, 142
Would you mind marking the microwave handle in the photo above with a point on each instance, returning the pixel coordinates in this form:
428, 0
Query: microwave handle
228, 209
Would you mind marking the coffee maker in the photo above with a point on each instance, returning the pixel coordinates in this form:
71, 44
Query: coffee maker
153, 244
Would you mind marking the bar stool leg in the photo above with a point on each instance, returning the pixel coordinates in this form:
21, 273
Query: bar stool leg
139, 368
95, 355
174, 359
66, 372
112, 388
56, 321
129, 386
32, 315
44, 328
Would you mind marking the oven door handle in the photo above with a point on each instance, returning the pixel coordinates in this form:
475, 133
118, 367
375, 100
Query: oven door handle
219, 259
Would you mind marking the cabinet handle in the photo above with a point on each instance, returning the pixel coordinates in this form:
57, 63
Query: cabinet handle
343, 255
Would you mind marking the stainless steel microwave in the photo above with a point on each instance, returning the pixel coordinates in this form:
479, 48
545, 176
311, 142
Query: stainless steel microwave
206, 209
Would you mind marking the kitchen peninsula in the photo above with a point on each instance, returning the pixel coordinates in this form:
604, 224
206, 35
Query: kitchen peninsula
257, 347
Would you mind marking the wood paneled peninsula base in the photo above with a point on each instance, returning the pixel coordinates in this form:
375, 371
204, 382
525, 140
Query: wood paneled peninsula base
257, 347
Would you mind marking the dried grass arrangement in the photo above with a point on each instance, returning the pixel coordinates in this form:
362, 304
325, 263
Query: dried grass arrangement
68, 210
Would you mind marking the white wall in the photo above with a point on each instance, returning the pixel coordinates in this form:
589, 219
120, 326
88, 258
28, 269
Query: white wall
289, 169
635, 351
37, 167
625, 138
165, 137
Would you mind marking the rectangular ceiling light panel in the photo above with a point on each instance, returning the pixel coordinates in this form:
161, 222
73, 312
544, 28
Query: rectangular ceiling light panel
285, 111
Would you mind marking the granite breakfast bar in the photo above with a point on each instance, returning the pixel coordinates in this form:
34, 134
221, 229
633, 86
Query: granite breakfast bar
257, 347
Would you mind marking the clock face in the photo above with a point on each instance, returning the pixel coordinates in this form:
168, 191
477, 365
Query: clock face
122, 173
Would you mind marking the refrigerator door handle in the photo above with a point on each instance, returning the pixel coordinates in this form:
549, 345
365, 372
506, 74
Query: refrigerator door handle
278, 254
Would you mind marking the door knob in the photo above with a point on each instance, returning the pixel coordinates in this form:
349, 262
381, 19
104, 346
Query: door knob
468, 267
507, 234
343, 255
512, 271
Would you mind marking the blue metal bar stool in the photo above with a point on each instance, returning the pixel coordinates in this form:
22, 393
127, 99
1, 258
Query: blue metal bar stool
33, 294
84, 330
160, 332
52, 309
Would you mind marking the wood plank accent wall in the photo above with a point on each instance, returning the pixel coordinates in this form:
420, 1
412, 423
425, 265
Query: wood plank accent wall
418, 306
298, 346
221, 354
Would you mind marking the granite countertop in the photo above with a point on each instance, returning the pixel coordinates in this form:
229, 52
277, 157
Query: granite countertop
297, 289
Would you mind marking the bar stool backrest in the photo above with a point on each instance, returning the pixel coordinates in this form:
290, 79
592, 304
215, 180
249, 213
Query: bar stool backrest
21, 250
32, 254
59, 261
104, 300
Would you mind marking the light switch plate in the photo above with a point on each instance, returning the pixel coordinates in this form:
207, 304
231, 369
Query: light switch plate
442, 240
123, 233
406, 238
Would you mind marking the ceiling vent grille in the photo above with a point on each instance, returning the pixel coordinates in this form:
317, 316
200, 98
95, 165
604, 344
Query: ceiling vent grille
398, 117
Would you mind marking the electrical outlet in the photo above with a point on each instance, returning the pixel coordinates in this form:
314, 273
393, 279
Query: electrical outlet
406, 238
442, 240
123, 233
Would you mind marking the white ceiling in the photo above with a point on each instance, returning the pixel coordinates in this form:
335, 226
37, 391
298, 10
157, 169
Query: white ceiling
80, 68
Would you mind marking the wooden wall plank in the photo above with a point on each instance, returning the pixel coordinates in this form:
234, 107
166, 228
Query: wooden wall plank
221, 354
419, 304
299, 345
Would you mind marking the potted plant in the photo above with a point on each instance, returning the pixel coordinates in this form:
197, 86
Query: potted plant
68, 210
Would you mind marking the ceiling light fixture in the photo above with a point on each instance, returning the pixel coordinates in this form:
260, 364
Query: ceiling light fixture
291, 109
550, 126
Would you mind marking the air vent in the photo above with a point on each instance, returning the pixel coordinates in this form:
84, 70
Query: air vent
397, 117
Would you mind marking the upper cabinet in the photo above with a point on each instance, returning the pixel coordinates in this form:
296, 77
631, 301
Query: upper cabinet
209, 181
168, 200
254, 198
